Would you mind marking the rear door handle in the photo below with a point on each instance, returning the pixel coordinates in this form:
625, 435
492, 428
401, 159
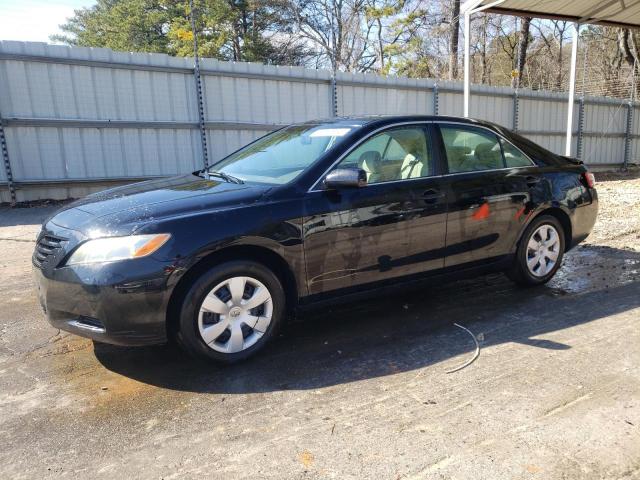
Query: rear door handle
532, 181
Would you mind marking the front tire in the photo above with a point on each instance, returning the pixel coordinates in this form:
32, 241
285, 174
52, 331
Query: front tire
539, 253
231, 311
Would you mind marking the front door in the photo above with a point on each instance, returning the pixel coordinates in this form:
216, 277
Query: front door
392, 227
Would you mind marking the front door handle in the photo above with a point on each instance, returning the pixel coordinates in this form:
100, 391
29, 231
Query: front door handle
432, 195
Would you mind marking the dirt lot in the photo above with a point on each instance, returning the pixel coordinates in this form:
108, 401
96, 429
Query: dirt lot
357, 392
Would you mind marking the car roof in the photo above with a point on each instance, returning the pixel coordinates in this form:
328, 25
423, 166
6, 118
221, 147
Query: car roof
382, 120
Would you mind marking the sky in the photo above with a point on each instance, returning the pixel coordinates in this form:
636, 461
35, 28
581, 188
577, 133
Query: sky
35, 20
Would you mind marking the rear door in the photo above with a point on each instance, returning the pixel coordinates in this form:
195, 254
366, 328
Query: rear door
489, 185
394, 226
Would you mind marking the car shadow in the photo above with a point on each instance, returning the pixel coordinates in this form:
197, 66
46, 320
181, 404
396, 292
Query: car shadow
402, 332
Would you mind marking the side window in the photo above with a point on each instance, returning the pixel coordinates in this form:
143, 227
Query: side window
397, 154
377, 144
470, 149
514, 157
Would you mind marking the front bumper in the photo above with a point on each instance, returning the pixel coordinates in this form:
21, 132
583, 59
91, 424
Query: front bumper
124, 303
133, 313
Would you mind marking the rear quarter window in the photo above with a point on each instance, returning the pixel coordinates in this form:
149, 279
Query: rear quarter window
535, 152
514, 157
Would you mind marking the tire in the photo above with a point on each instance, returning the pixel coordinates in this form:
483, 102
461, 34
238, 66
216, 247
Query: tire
532, 266
211, 330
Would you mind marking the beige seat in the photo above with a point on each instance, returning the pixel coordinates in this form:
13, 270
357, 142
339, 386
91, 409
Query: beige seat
456, 156
487, 157
371, 162
415, 162
411, 167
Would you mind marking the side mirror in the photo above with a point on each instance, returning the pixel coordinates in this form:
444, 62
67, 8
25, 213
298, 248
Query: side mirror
345, 178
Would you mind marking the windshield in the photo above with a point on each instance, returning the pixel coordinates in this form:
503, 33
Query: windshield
281, 156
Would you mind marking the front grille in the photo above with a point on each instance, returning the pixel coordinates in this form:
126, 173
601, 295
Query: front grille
46, 248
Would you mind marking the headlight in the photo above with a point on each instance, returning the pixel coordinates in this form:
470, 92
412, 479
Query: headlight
117, 248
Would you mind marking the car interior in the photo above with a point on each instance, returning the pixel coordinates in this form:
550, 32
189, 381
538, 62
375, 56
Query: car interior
395, 155
403, 153
469, 151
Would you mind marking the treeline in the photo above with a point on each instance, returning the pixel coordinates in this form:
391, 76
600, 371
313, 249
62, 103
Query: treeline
415, 38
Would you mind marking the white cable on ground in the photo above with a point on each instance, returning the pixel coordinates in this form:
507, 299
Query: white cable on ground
475, 355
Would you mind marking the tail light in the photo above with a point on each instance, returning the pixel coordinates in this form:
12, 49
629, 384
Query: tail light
589, 179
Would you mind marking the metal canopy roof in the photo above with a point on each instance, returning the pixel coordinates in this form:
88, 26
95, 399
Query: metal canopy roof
617, 13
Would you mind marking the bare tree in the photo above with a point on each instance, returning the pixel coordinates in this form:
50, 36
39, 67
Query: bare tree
560, 27
522, 48
416, 38
484, 78
627, 45
340, 30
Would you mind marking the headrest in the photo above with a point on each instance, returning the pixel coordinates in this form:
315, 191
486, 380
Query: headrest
483, 148
370, 161
487, 156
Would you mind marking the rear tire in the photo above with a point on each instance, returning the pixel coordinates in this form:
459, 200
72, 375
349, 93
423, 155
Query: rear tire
539, 253
231, 311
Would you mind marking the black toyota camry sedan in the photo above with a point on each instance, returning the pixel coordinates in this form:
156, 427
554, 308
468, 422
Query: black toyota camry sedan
219, 258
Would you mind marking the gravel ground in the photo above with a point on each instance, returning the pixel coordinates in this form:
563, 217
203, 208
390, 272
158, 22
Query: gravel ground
359, 391
618, 223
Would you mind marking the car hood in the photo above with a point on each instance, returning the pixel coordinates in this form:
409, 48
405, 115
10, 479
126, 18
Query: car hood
121, 210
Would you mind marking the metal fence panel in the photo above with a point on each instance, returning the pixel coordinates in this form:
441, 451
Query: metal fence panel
597, 150
605, 125
224, 142
493, 108
605, 119
254, 93
76, 119
544, 115
365, 94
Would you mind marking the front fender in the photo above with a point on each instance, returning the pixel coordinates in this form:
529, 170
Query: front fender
275, 228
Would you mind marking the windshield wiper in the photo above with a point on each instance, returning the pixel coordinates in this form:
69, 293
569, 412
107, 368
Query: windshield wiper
224, 176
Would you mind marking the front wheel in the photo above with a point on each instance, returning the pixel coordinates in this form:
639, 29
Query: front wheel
231, 311
539, 253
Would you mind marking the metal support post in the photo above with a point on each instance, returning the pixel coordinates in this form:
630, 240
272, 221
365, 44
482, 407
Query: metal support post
435, 99
629, 126
572, 88
580, 141
467, 54
627, 136
7, 164
198, 80
334, 95
516, 110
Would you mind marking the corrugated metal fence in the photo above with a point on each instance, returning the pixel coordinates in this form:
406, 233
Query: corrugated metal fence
78, 119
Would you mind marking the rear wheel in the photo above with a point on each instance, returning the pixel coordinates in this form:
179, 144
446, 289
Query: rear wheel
231, 311
540, 252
